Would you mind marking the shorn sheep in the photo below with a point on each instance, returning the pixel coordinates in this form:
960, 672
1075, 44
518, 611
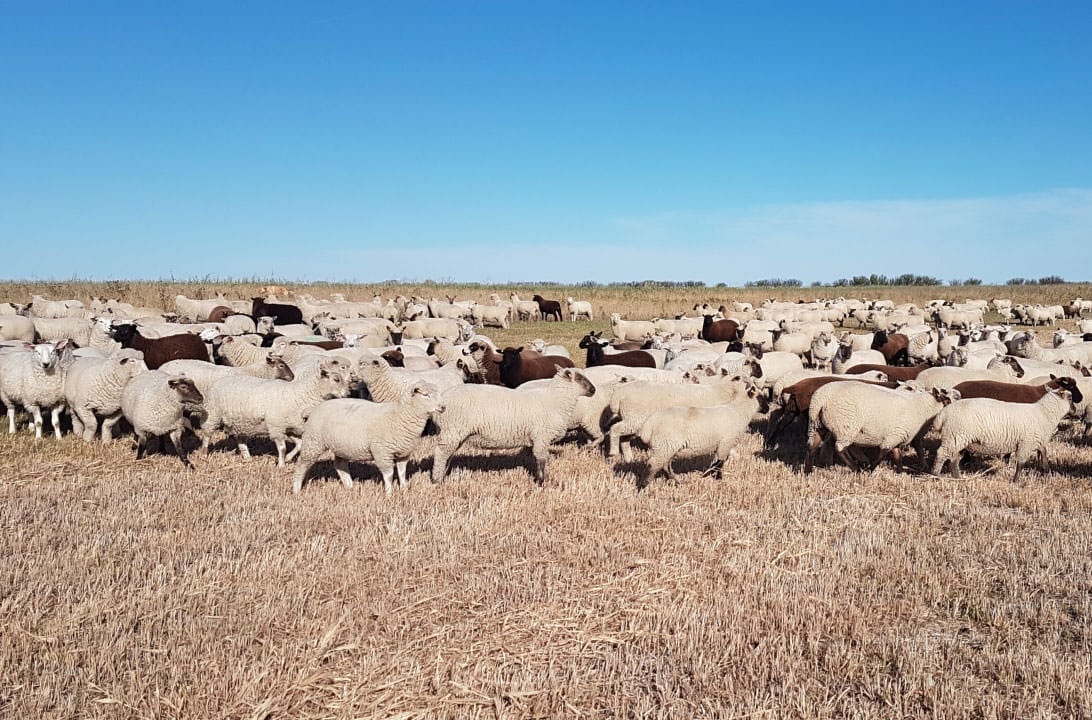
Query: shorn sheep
983, 426
34, 378
697, 431
361, 430
579, 308
500, 419
156, 403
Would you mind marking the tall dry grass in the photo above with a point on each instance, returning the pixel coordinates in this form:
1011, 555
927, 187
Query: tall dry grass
139, 590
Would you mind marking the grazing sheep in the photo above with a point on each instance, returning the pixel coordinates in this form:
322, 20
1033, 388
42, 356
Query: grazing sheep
158, 351
523, 309
34, 378
851, 414
156, 404
579, 308
984, 426
695, 431
248, 406
794, 400
498, 418
282, 313
1013, 392
490, 316
360, 430
93, 389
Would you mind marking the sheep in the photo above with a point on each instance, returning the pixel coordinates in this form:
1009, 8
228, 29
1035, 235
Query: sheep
1013, 392
34, 378
695, 431
791, 342
630, 329
590, 412
719, 330
360, 430
857, 414
516, 369
985, 426
634, 402
822, 351
204, 374
499, 418
581, 308
158, 351
847, 357
548, 308
539, 345
596, 356
16, 327
794, 399
893, 373
93, 389
894, 347
1029, 347
453, 330
775, 364
196, 310
282, 313
1003, 368
39, 307
490, 316
51, 330
236, 352
247, 406
156, 403
684, 327
523, 309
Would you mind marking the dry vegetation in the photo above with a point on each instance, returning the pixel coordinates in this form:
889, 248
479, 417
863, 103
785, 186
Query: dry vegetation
136, 590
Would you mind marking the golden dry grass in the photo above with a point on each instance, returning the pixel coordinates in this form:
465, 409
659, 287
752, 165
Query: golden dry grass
138, 590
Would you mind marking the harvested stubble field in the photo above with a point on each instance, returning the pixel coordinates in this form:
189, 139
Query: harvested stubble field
139, 590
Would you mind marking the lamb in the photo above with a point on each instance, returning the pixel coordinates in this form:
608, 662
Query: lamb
696, 431
630, 329
93, 388
246, 406
590, 411
985, 426
634, 402
499, 418
1029, 347
857, 414
34, 378
581, 308
196, 310
360, 430
156, 403
204, 374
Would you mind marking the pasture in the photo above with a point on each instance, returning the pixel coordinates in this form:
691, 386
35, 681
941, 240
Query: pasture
138, 589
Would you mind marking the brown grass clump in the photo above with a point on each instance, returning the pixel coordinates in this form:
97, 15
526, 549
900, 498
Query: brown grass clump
139, 590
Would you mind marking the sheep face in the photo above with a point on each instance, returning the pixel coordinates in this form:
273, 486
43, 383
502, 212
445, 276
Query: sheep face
426, 398
187, 392
569, 375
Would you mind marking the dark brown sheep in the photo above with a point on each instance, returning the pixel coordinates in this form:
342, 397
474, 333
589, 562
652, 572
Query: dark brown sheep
220, 313
516, 368
548, 308
895, 347
282, 313
893, 373
796, 400
628, 358
489, 362
719, 330
158, 351
1016, 392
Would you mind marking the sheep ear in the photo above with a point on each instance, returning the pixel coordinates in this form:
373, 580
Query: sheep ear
1052, 377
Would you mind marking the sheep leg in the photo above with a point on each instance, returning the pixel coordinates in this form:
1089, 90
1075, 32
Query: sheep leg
815, 440
11, 417
244, 451
1044, 461
1019, 469
341, 467
108, 424
939, 460
296, 445
847, 458
659, 462
956, 471
176, 440
55, 420
141, 445
280, 443
779, 420
440, 458
78, 424
400, 466
615, 438
36, 412
541, 451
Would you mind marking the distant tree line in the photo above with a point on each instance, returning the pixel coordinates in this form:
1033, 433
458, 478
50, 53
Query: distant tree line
774, 283
1048, 280
874, 279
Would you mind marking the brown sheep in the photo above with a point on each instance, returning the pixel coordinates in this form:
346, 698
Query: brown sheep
796, 400
1013, 392
719, 330
895, 347
548, 308
158, 351
516, 369
893, 373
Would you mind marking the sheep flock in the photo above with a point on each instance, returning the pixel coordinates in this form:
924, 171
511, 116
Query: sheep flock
408, 380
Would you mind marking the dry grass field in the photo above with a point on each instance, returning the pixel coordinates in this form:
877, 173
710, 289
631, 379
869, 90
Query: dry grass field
141, 590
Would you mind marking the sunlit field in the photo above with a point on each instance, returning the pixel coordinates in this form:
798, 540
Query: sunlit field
139, 589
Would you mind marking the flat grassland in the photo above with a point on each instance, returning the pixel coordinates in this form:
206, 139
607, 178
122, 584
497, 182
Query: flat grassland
141, 590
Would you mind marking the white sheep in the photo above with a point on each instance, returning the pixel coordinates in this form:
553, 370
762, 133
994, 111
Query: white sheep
1003, 368
93, 388
16, 327
539, 345
204, 374
497, 418
360, 430
248, 406
449, 329
66, 328
630, 329
523, 309
822, 351
847, 357
849, 414
697, 431
984, 426
34, 378
490, 316
156, 403
580, 308
634, 402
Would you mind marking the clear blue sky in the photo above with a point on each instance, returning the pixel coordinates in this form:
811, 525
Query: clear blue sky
533, 141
